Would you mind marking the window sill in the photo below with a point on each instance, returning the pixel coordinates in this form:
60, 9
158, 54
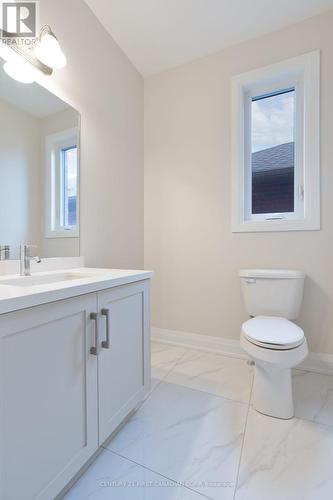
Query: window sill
275, 225
63, 234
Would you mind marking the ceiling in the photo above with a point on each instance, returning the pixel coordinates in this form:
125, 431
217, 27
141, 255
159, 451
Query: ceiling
160, 34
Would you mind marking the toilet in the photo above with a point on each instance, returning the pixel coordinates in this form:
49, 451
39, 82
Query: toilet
273, 298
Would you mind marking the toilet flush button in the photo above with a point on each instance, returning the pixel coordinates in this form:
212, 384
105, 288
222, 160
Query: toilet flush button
250, 281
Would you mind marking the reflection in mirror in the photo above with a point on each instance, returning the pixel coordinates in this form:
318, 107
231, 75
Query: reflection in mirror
39, 171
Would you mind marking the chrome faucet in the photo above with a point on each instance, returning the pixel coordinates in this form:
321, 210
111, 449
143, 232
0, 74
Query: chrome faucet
26, 259
4, 252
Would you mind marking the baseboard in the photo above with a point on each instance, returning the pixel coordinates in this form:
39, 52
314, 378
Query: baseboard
218, 345
315, 362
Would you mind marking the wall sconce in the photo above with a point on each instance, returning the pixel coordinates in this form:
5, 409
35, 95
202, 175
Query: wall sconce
24, 65
48, 50
21, 71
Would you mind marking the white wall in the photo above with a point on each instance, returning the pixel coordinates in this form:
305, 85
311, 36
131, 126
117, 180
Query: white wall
20, 186
66, 119
106, 89
188, 239
58, 122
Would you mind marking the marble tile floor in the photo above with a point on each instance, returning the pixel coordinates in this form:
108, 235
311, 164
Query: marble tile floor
197, 436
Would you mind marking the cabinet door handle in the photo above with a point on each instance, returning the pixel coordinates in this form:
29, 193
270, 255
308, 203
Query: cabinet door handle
106, 343
94, 349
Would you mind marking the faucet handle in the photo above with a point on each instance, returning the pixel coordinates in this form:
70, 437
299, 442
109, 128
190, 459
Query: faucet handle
27, 246
25, 250
26, 258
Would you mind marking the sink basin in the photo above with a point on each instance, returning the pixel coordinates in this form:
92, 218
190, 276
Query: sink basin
43, 280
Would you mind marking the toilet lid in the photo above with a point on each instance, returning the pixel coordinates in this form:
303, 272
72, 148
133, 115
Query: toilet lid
273, 332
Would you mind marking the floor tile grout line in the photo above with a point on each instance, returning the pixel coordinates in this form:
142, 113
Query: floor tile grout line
206, 392
328, 373
159, 380
224, 397
203, 350
156, 472
163, 379
249, 403
297, 417
174, 366
243, 440
309, 420
151, 392
165, 376
158, 384
197, 350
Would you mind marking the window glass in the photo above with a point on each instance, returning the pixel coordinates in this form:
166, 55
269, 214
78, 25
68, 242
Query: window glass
69, 187
273, 152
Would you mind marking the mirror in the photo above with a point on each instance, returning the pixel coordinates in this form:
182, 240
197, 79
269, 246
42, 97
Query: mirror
39, 171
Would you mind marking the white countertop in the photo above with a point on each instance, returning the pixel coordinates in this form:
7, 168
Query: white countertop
13, 298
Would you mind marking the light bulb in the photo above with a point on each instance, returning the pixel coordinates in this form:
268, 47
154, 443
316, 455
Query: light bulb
20, 71
48, 51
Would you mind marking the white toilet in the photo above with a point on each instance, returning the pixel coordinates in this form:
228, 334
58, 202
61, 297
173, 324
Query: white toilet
272, 299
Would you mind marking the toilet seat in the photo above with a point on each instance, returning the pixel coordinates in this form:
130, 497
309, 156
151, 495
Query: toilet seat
272, 332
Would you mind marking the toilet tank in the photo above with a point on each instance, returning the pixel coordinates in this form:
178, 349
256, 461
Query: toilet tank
272, 292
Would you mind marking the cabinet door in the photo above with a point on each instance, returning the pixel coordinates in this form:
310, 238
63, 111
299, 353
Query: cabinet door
48, 397
124, 360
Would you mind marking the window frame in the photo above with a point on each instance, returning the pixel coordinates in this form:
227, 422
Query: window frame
54, 144
303, 74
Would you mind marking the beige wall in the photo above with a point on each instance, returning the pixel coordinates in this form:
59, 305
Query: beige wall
101, 83
188, 240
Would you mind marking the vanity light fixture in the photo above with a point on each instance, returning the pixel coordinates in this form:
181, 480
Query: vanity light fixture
25, 65
21, 71
48, 50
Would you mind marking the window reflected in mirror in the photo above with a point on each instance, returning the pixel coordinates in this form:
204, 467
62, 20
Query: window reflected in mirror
69, 167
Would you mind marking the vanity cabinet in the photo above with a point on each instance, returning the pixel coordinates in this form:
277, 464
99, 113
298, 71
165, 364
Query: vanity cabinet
63, 389
122, 374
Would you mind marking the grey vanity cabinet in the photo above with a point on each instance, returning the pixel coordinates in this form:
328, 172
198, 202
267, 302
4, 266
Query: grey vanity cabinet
55, 393
124, 361
48, 424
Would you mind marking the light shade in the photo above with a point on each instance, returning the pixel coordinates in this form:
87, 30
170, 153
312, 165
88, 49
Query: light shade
21, 71
49, 52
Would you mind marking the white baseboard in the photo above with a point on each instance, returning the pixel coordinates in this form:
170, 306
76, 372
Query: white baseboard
315, 362
218, 345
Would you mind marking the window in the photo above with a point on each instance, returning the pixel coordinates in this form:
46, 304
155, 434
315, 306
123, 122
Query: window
62, 185
276, 147
273, 153
68, 190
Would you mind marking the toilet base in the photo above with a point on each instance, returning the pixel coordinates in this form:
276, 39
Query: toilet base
273, 394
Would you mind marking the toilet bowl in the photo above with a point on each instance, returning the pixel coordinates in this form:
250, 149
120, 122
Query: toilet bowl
276, 344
